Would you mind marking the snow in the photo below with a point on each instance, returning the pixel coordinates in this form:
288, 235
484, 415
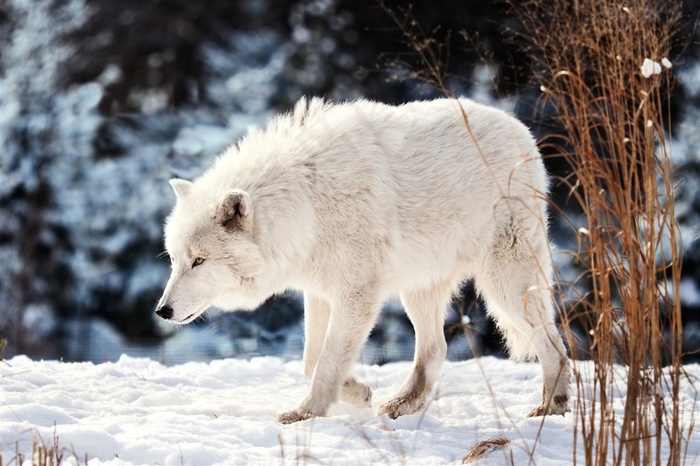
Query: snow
649, 68
138, 411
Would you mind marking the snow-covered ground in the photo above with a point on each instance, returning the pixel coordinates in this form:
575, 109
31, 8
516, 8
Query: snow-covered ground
138, 411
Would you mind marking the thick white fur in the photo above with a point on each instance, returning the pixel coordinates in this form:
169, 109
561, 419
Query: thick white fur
352, 203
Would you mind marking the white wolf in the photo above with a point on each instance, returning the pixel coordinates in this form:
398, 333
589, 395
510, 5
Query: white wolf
352, 203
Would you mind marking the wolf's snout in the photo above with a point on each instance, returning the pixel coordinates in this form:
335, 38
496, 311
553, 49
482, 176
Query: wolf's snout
165, 311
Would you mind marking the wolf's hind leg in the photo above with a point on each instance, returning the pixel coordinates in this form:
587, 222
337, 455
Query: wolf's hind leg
426, 309
517, 291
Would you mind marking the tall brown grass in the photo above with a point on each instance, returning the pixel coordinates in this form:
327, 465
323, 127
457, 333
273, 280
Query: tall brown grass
615, 136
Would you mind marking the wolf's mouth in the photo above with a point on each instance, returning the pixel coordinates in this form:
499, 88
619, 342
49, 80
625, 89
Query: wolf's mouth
187, 319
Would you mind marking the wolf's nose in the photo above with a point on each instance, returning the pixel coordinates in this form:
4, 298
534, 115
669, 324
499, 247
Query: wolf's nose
166, 312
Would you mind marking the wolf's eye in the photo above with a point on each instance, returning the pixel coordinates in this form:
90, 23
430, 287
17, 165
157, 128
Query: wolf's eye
197, 261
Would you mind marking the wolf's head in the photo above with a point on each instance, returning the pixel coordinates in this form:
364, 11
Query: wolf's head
215, 261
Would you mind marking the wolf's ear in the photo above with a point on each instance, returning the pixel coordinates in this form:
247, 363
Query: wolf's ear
181, 187
236, 211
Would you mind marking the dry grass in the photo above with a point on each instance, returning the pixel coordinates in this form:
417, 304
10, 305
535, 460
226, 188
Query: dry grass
481, 449
616, 140
44, 453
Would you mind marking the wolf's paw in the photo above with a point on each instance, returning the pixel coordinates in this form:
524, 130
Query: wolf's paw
559, 405
293, 416
401, 405
539, 411
356, 393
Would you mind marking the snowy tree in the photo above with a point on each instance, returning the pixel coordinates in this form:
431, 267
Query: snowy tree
33, 279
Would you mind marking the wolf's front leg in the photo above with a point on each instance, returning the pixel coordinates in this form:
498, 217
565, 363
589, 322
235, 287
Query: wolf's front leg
351, 320
317, 313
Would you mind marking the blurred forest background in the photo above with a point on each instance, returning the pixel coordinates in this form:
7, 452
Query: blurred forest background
103, 101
